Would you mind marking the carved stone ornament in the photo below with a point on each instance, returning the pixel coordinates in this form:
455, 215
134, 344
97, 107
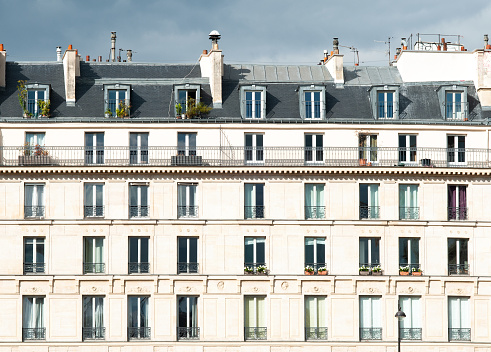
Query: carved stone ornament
94, 289
316, 289
284, 285
188, 289
370, 290
255, 289
35, 289
220, 285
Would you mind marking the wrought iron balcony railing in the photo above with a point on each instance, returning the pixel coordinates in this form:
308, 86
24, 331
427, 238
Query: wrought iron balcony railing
315, 212
187, 211
315, 266
138, 268
94, 268
34, 268
34, 211
254, 211
458, 269
93, 211
370, 333
315, 334
216, 156
410, 333
139, 333
188, 333
33, 334
139, 211
409, 213
457, 213
459, 334
187, 268
255, 333
369, 212
94, 333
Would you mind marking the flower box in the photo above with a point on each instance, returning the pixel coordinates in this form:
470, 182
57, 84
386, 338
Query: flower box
186, 160
365, 273
403, 273
417, 273
323, 272
309, 273
28, 160
377, 273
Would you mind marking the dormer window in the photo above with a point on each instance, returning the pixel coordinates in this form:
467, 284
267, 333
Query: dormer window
253, 102
453, 102
117, 100
37, 97
312, 102
385, 102
183, 94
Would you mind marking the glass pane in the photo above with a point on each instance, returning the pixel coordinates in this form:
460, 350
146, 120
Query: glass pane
182, 307
182, 250
375, 251
249, 250
363, 195
403, 251
321, 250
193, 250
89, 198
248, 140
133, 195
463, 251
415, 251
87, 312
364, 251
452, 251
309, 251
144, 250
40, 250
259, 194
133, 250
29, 250
260, 251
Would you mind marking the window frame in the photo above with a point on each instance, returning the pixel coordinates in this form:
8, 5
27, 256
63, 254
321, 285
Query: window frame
374, 99
243, 101
143, 210
371, 262
191, 330
190, 210
93, 332
96, 211
413, 323
317, 334
34, 263
317, 208
457, 212
456, 155
35, 201
408, 151
462, 266
254, 153
373, 210
303, 102
146, 333
314, 155
255, 263
36, 87
185, 87
187, 267
407, 209
261, 334
373, 335
94, 154
365, 148
41, 334
93, 267
142, 267
411, 242
464, 107
465, 316
117, 87
256, 211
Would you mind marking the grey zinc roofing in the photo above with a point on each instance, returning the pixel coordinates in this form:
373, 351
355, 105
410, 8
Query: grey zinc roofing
371, 75
281, 73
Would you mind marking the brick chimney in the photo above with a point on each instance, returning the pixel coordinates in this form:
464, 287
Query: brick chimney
211, 65
71, 69
335, 64
3, 63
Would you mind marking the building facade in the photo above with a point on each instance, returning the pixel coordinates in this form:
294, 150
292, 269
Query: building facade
298, 214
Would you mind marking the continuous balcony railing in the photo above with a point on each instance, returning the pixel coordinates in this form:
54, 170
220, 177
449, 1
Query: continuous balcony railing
187, 268
94, 333
139, 211
187, 211
369, 212
315, 212
370, 333
458, 269
315, 334
459, 334
93, 211
94, 268
34, 211
410, 333
188, 333
254, 211
409, 213
34, 268
138, 268
457, 213
139, 333
33, 334
255, 333
215, 156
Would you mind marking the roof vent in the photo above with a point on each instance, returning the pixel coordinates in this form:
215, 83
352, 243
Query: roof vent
215, 37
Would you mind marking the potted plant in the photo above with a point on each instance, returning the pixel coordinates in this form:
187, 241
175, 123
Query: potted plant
123, 110
364, 270
22, 96
377, 270
44, 107
322, 270
416, 272
179, 113
262, 270
248, 270
108, 113
404, 270
309, 270
34, 155
194, 109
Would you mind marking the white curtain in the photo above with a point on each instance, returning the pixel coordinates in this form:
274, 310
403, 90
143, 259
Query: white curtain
99, 312
458, 313
39, 307
255, 312
370, 312
411, 306
319, 195
309, 194
373, 202
315, 312
194, 311
248, 194
28, 316
143, 311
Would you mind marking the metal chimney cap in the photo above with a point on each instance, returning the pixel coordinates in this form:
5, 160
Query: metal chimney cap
214, 35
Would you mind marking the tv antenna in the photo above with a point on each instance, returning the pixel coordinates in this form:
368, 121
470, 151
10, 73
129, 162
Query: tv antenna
356, 57
387, 42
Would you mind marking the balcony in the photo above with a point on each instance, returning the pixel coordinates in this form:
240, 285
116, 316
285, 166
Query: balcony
93, 333
280, 156
93, 211
369, 212
94, 268
315, 334
255, 333
458, 269
370, 333
139, 211
34, 268
34, 211
459, 334
139, 333
457, 213
187, 268
315, 212
138, 268
188, 333
410, 333
33, 334
409, 213
254, 211
187, 211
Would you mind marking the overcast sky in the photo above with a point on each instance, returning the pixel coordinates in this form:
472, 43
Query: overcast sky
253, 31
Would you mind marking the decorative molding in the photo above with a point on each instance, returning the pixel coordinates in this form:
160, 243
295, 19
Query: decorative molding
220, 285
284, 285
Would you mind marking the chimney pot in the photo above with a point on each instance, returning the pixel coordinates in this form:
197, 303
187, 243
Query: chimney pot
113, 46
205, 52
58, 53
99, 58
70, 47
1, 47
87, 58
443, 40
215, 37
335, 45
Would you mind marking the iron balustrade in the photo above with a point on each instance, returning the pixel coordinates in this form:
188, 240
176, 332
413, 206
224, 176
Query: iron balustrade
188, 333
370, 333
259, 333
410, 333
455, 110
385, 109
34, 268
118, 104
316, 266
369, 212
94, 268
409, 213
254, 267
254, 211
215, 156
187, 211
31, 211
459, 334
94, 333
139, 211
457, 213
93, 211
315, 212
187, 268
33, 334
139, 333
458, 269
138, 268
411, 267
315, 334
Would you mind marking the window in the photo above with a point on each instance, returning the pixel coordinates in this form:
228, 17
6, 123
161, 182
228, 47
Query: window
408, 202
254, 153
315, 253
410, 326
187, 252
455, 150
94, 255
33, 319
93, 318
93, 200
370, 318
254, 201
138, 148
187, 206
314, 201
385, 102
409, 253
186, 144
407, 149
94, 148
35, 94
139, 207
253, 104
312, 102
34, 200
369, 205
314, 149
459, 322
254, 253
457, 202
315, 318
138, 316
255, 318
458, 256
187, 328
34, 255
367, 145
453, 102
138, 255
117, 99
182, 94
34, 148
369, 252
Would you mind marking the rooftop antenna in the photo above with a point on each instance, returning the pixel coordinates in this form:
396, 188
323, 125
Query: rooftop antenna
356, 57
388, 45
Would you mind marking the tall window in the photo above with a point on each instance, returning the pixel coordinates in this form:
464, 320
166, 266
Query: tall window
315, 253
253, 103
454, 105
33, 318
34, 255
456, 150
254, 253
411, 325
254, 201
187, 204
408, 202
367, 144
186, 144
34, 145
254, 152
369, 252
187, 328
459, 322
184, 96
93, 200
138, 148
94, 148
315, 318
409, 253
458, 256
138, 316
457, 202
116, 99
34, 200
369, 204
370, 318
385, 104
138, 255
314, 148
187, 253
314, 201
36, 93
407, 148
94, 255
93, 318
313, 109
255, 318
139, 207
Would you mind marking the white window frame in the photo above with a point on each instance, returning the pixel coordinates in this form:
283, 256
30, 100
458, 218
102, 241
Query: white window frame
457, 152
366, 148
139, 254
93, 246
369, 245
97, 151
316, 300
413, 319
243, 106
35, 199
385, 90
187, 200
406, 189
411, 241
254, 150
303, 102
373, 315
35, 243
36, 88
93, 305
139, 187
317, 153
386, 94
407, 149
254, 248
140, 149
316, 259
254, 200
189, 149
93, 202
196, 88
455, 114
370, 200
117, 88
454, 90
35, 310
139, 315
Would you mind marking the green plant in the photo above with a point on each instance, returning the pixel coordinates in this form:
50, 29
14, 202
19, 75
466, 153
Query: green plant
44, 107
322, 268
404, 268
248, 269
178, 109
376, 269
196, 110
36, 150
123, 110
364, 268
262, 269
22, 96
415, 270
309, 269
108, 112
